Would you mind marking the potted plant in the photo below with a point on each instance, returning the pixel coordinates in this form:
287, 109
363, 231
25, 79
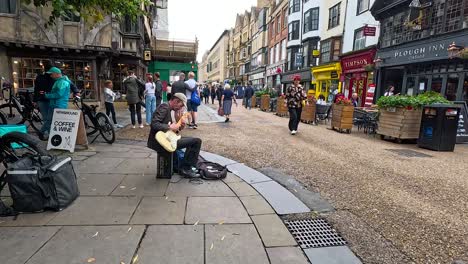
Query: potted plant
342, 115
308, 110
281, 107
400, 116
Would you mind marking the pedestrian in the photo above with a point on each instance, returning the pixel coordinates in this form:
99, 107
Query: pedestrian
42, 85
159, 89
162, 121
109, 98
294, 96
58, 96
213, 93
192, 107
132, 86
168, 92
219, 94
150, 99
206, 93
390, 91
180, 86
249, 92
355, 100
227, 98
321, 100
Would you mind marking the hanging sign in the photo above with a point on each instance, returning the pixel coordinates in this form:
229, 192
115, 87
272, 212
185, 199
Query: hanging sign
369, 31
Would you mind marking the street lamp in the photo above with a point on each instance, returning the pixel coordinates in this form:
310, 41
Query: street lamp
455, 51
378, 62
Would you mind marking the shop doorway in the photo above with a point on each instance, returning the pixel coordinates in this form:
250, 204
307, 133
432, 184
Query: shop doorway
393, 76
452, 84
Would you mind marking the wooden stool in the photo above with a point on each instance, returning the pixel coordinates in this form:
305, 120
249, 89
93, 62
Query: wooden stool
165, 165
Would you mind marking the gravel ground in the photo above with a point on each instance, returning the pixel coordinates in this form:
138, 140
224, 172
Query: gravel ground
391, 208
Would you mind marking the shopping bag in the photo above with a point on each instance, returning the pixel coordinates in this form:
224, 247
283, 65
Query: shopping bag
220, 111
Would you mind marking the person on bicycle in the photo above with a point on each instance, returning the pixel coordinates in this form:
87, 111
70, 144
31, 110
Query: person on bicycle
58, 96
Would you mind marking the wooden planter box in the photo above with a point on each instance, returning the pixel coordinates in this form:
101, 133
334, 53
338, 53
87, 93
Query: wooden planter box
253, 102
265, 102
281, 108
342, 117
399, 123
308, 112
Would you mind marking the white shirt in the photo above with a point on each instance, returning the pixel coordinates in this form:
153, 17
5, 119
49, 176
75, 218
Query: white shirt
150, 88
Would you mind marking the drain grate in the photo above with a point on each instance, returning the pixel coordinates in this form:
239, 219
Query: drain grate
313, 233
409, 153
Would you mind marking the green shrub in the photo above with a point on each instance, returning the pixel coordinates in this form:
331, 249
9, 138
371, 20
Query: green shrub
407, 101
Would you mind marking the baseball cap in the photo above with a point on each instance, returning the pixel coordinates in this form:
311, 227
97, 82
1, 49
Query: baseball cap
54, 70
182, 97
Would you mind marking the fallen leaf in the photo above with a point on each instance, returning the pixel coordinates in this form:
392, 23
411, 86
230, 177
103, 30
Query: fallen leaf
95, 235
223, 238
132, 189
167, 197
212, 246
130, 228
220, 223
196, 223
135, 259
91, 260
122, 187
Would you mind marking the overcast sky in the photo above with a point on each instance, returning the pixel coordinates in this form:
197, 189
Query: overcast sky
205, 19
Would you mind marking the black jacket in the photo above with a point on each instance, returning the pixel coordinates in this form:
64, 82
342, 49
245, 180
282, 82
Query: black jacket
43, 83
249, 92
180, 87
159, 122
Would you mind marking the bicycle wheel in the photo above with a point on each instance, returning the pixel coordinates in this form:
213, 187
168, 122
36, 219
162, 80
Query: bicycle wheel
36, 120
3, 119
12, 114
105, 127
89, 126
16, 145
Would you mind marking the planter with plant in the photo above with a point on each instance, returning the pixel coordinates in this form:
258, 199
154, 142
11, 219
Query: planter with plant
308, 111
281, 107
342, 115
400, 116
265, 102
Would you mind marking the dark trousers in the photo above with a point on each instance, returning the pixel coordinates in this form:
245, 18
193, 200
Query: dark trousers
294, 118
111, 110
135, 109
192, 146
207, 99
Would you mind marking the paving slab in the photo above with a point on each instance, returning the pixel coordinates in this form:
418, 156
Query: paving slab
84, 153
233, 244
79, 158
98, 165
37, 219
141, 185
187, 188
137, 166
132, 154
289, 255
106, 210
18, 244
230, 177
79, 244
207, 210
283, 201
272, 231
160, 211
98, 184
111, 148
256, 205
247, 174
242, 189
217, 158
332, 255
169, 244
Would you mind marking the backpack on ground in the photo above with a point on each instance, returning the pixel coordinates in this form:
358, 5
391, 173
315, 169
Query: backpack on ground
211, 170
41, 183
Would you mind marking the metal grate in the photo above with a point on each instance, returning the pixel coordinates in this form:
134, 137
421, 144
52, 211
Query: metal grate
409, 153
313, 233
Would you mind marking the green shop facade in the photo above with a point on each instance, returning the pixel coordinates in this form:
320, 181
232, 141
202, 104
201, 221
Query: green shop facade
170, 71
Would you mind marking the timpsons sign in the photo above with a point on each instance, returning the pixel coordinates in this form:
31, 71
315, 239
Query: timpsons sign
357, 62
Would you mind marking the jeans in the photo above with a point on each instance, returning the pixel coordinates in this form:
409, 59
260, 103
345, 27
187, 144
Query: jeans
150, 107
294, 118
248, 103
212, 99
193, 146
44, 109
111, 110
135, 109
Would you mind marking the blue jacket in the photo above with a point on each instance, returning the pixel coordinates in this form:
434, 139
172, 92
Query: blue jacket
59, 94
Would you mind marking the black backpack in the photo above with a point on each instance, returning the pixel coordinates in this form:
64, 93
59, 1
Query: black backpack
211, 170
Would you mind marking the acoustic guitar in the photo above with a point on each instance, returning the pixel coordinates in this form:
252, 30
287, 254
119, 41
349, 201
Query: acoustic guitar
168, 140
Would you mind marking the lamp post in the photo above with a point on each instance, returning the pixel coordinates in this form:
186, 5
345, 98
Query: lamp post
455, 51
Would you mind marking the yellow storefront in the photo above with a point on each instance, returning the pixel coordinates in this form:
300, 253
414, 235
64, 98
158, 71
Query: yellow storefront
325, 79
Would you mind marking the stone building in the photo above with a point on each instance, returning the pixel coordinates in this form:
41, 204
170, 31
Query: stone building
216, 61
88, 54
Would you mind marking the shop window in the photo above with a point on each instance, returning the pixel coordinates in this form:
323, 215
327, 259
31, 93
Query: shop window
453, 15
130, 25
411, 86
436, 84
8, 6
293, 30
452, 85
325, 49
334, 16
359, 39
294, 6
362, 6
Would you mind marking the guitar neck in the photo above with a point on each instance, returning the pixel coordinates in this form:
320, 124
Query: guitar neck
182, 117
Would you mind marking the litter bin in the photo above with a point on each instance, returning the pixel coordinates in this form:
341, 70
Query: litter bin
439, 127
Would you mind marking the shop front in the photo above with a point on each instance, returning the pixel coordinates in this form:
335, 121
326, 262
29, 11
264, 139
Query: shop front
306, 78
122, 64
425, 65
358, 73
273, 75
325, 80
258, 78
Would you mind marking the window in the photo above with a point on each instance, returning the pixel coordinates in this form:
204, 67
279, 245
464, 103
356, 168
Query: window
277, 50
311, 19
129, 25
71, 17
334, 16
362, 6
336, 49
309, 47
272, 55
278, 25
292, 58
359, 39
325, 51
293, 30
285, 18
294, 6
283, 50
8, 6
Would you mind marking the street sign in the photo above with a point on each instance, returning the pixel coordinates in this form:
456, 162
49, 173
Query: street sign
64, 129
369, 31
298, 62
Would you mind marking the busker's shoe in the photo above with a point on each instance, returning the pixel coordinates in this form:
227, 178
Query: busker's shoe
188, 173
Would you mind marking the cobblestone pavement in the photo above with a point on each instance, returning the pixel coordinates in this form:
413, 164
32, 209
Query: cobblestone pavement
390, 207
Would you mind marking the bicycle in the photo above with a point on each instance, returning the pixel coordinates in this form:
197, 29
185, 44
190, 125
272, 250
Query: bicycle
19, 109
3, 119
95, 121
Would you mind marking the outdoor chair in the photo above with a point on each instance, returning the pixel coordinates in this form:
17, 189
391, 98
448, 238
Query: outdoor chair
322, 113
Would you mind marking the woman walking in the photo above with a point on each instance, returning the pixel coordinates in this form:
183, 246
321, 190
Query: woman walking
213, 93
294, 96
150, 95
227, 98
206, 93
